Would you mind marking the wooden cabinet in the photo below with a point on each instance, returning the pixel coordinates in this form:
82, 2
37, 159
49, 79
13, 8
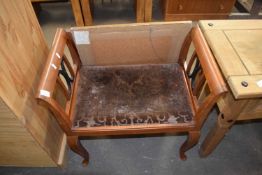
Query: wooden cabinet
29, 136
196, 9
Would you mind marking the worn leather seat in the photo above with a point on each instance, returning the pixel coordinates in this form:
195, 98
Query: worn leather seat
132, 95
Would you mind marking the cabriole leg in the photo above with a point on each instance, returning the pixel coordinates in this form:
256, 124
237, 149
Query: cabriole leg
76, 146
192, 139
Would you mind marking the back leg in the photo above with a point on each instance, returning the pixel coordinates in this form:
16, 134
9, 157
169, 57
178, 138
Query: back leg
192, 139
76, 146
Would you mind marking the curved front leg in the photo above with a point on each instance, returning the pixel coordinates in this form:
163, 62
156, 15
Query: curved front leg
192, 139
76, 146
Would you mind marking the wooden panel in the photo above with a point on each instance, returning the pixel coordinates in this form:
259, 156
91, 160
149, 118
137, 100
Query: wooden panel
253, 89
224, 53
194, 6
194, 16
226, 6
133, 43
248, 45
253, 110
23, 52
16, 142
197, 9
170, 6
231, 107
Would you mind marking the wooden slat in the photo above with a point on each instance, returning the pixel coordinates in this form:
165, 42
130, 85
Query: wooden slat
64, 89
23, 53
253, 90
68, 66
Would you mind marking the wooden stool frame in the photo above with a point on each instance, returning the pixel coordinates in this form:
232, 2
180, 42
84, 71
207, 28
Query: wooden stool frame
210, 73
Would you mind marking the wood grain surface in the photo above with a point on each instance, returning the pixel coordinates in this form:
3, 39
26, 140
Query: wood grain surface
23, 52
196, 9
17, 146
236, 45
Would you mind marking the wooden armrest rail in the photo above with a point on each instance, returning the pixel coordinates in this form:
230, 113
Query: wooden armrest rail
50, 77
210, 72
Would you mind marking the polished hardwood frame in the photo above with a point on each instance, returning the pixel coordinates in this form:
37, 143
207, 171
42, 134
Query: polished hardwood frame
209, 72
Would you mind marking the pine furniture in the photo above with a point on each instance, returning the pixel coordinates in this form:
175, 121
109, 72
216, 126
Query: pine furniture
236, 45
29, 136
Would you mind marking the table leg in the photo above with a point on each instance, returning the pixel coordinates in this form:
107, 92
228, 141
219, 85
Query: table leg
148, 10
230, 110
77, 12
140, 10
215, 135
88, 20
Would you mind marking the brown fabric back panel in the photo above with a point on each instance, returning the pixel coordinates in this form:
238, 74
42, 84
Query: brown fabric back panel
132, 95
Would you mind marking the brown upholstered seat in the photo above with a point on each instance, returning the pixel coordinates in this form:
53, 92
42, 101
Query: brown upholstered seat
132, 95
